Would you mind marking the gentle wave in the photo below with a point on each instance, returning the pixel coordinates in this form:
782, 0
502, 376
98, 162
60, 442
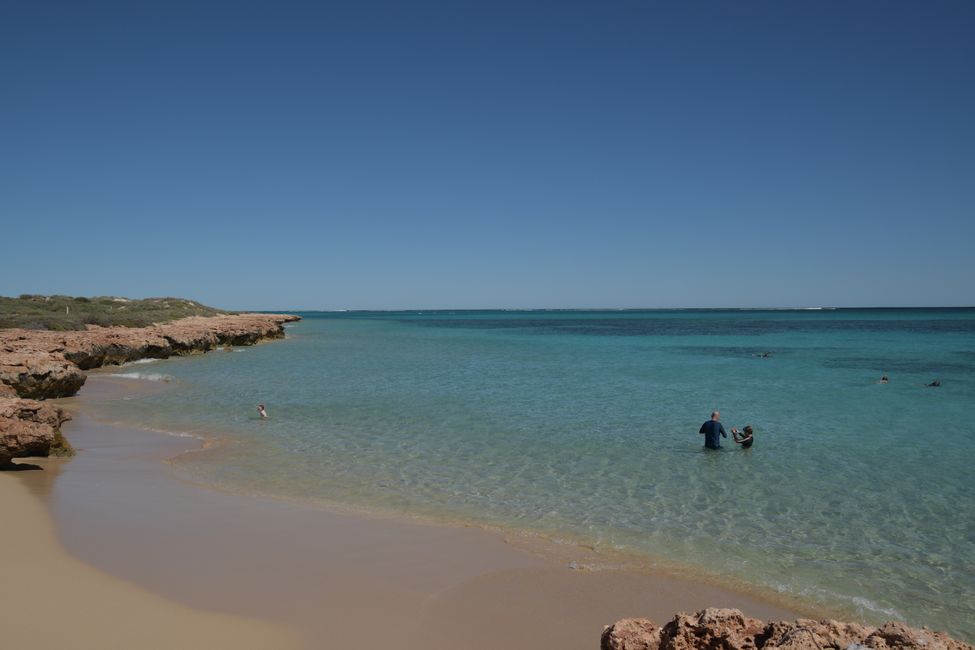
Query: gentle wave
145, 376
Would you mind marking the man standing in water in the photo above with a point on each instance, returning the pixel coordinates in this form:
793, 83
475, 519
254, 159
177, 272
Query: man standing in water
711, 430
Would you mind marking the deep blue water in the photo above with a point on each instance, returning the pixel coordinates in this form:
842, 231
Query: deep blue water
584, 426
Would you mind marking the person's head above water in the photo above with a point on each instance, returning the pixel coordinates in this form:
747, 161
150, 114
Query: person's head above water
715, 415
747, 430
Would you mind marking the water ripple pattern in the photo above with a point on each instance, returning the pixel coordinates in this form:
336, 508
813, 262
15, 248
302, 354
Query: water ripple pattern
585, 425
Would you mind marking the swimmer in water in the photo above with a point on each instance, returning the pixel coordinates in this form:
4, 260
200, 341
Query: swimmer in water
884, 380
262, 410
746, 438
934, 384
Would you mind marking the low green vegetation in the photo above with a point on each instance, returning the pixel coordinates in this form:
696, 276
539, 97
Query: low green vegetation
67, 313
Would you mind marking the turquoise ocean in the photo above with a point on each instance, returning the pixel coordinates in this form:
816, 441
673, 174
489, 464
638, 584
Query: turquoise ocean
583, 426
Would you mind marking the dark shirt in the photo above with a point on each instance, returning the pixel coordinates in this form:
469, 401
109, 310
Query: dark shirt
711, 429
747, 442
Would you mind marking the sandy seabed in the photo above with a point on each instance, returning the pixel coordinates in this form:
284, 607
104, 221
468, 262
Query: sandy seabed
110, 550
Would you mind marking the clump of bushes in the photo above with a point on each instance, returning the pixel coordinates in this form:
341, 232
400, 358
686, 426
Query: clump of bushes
31, 311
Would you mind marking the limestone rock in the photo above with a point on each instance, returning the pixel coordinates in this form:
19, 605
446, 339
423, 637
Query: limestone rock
898, 635
631, 634
28, 428
38, 373
729, 629
804, 633
44, 364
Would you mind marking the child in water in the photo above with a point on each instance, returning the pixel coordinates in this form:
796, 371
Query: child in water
746, 438
262, 410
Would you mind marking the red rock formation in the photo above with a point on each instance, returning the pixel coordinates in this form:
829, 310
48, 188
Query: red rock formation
38, 364
710, 628
631, 634
729, 629
33, 371
43, 364
28, 428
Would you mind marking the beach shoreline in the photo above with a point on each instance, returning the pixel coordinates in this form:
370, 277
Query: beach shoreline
38, 365
557, 548
119, 508
437, 581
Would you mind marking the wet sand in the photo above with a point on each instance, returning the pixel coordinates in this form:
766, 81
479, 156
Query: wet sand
52, 600
335, 579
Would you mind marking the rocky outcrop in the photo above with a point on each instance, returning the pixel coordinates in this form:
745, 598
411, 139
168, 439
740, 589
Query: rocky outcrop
729, 629
44, 364
30, 428
631, 634
34, 373
40, 364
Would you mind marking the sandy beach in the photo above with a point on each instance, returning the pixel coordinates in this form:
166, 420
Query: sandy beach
120, 549
54, 600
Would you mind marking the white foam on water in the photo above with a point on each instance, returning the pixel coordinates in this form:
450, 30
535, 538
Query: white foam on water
860, 603
179, 434
146, 376
871, 606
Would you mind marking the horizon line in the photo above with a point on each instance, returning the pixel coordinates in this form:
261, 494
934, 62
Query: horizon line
619, 309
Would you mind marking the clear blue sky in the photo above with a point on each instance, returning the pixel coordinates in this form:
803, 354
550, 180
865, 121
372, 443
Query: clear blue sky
525, 154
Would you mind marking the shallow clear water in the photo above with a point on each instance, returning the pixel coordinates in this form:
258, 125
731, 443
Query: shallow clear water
585, 425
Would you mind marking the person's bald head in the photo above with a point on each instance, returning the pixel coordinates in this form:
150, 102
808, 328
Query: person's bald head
715, 415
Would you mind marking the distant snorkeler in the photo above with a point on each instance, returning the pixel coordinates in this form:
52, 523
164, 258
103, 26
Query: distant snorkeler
934, 384
745, 437
884, 380
262, 410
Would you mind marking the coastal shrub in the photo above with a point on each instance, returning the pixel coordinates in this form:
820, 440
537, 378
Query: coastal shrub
31, 311
104, 320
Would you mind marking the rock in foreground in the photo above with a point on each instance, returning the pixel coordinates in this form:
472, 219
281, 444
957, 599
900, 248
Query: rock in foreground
729, 629
29, 428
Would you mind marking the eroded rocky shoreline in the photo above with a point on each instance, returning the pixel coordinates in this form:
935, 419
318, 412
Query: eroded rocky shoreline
42, 364
729, 629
